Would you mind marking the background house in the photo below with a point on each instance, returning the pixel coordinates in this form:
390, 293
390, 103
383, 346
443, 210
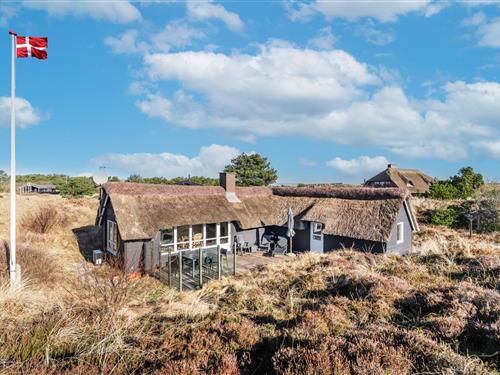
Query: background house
414, 180
30, 188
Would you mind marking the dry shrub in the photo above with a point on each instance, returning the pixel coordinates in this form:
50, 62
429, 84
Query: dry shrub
462, 311
36, 265
43, 220
291, 361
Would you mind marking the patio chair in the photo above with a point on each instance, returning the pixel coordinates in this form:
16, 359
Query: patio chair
279, 247
265, 242
242, 246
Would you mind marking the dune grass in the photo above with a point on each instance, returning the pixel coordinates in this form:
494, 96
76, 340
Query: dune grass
437, 311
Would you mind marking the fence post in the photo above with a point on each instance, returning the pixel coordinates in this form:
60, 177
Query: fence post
180, 271
170, 267
234, 262
200, 264
218, 262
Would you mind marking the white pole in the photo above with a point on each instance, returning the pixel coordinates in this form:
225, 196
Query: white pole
12, 264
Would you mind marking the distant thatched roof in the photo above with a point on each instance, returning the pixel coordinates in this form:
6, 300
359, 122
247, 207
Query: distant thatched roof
359, 193
412, 179
363, 213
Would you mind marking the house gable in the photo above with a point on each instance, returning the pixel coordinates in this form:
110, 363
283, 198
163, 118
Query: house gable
407, 227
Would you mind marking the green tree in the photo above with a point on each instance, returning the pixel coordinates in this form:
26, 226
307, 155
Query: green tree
135, 178
77, 187
460, 186
252, 170
467, 181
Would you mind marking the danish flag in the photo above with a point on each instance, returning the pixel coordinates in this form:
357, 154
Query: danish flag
30, 46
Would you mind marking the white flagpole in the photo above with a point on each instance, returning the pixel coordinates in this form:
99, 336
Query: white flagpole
12, 264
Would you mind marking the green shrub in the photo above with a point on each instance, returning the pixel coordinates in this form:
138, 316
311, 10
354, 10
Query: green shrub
445, 216
460, 186
443, 190
77, 187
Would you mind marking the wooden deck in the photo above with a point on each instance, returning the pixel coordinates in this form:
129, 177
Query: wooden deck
245, 263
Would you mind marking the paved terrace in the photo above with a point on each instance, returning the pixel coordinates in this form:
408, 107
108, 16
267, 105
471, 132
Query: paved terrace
247, 262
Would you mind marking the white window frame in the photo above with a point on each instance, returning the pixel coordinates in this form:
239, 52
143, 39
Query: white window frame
111, 243
219, 240
400, 230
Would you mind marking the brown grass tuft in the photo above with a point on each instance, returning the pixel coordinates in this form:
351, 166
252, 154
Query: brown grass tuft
43, 220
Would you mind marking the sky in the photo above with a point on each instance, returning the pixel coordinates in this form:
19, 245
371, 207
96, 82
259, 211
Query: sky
328, 91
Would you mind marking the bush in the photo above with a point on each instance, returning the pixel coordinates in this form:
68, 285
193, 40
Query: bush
460, 186
445, 216
42, 221
77, 187
36, 265
443, 190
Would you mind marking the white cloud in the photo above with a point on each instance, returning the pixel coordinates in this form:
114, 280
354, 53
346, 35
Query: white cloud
324, 40
283, 90
383, 11
113, 11
26, 115
476, 19
436, 7
176, 34
362, 166
210, 160
375, 35
203, 11
126, 43
6, 13
491, 147
489, 33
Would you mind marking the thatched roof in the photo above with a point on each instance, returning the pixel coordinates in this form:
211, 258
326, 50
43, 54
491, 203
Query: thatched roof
414, 180
363, 213
359, 193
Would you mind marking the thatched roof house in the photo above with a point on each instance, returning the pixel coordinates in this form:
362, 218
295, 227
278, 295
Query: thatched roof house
414, 180
329, 217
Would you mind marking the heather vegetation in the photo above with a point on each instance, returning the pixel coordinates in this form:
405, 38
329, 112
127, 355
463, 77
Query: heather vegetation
436, 311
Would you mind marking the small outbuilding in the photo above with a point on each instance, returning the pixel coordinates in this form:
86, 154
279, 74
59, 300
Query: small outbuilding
415, 181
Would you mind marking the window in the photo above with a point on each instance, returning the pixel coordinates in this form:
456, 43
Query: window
112, 237
211, 234
196, 236
317, 228
183, 237
167, 236
400, 232
167, 239
224, 233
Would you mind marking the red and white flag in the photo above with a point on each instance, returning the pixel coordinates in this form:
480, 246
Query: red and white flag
30, 46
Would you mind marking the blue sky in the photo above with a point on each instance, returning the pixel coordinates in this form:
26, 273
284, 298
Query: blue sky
328, 91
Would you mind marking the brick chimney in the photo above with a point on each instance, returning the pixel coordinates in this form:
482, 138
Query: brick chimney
228, 181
